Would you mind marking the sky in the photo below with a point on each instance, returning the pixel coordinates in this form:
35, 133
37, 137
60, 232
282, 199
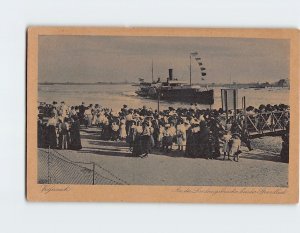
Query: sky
118, 59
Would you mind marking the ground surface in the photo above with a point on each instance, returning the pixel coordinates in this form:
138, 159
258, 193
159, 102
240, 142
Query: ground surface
114, 164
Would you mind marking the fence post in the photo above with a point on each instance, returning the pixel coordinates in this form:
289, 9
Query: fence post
48, 165
93, 173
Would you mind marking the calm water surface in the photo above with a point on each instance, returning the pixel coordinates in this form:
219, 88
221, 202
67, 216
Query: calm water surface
115, 95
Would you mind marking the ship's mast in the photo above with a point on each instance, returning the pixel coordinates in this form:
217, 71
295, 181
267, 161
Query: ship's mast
152, 71
190, 70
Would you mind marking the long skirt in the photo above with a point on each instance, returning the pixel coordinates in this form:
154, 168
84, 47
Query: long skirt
90, 119
114, 135
106, 132
188, 148
167, 141
75, 140
146, 144
123, 133
51, 140
40, 136
192, 145
137, 146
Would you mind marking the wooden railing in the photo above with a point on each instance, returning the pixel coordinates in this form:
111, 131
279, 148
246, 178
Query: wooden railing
259, 123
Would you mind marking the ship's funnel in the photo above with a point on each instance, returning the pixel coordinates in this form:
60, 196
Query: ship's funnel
170, 74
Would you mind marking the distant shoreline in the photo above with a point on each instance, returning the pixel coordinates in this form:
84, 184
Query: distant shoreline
97, 83
226, 85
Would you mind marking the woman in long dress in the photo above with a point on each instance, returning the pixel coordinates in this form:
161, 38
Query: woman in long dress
137, 149
123, 133
115, 131
51, 136
167, 140
106, 131
88, 117
40, 127
160, 136
146, 139
131, 134
75, 143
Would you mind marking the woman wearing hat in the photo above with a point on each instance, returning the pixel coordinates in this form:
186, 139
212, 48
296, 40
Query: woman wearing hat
106, 131
131, 134
146, 139
167, 140
137, 149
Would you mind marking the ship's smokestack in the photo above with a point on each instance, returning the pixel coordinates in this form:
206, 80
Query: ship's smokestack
170, 74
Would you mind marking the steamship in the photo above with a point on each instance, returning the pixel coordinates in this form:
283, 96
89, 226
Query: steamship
175, 90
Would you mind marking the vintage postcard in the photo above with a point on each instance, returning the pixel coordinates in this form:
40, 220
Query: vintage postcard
162, 115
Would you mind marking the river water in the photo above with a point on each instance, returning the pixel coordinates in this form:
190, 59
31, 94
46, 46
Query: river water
115, 95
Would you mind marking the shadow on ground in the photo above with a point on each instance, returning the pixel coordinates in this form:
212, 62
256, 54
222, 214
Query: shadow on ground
261, 156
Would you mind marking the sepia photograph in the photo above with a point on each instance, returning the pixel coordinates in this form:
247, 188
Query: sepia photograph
143, 110
150, 116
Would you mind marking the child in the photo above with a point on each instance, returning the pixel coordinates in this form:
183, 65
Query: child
181, 136
226, 146
235, 147
63, 130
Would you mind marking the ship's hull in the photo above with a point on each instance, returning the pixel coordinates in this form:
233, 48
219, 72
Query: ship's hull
183, 95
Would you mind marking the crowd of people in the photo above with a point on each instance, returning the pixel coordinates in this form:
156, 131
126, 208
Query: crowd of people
207, 133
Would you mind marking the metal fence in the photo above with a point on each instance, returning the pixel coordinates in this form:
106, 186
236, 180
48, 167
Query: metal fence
54, 168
